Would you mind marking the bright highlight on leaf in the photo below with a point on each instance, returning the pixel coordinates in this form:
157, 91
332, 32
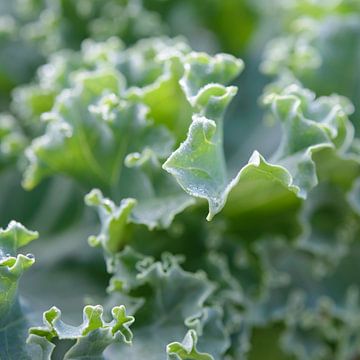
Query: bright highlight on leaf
187, 349
220, 197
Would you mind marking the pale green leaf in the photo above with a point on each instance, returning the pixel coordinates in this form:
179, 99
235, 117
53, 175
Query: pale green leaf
170, 302
187, 349
13, 322
92, 337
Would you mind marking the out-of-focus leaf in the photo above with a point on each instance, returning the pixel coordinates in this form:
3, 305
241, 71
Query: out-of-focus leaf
170, 301
156, 208
12, 140
310, 49
73, 136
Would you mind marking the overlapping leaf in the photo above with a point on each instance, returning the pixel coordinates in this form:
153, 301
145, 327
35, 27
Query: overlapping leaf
309, 126
13, 323
168, 302
320, 312
309, 50
310, 285
92, 337
115, 116
112, 126
30, 101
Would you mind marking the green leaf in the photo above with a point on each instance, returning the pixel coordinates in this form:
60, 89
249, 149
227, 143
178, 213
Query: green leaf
153, 68
11, 265
202, 72
169, 302
199, 167
30, 101
187, 349
92, 337
320, 313
158, 199
91, 122
309, 48
13, 323
71, 131
159, 196
329, 223
182, 80
114, 220
124, 267
199, 164
12, 140
13, 332
309, 126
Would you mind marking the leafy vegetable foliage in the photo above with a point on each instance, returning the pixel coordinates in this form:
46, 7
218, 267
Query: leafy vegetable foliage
145, 126
92, 336
13, 323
